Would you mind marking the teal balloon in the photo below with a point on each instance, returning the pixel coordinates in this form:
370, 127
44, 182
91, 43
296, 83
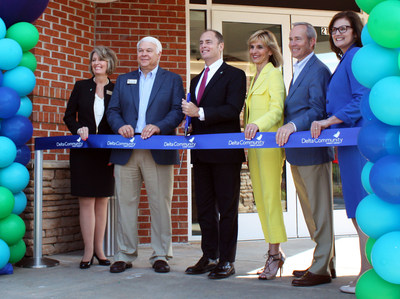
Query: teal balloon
368, 249
6, 202
384, 24
377, 217
12, 229
3, 29
8, 151
10, 54
366, 38
372, 63
26, 107
20, 202
29, 60
25, 34
385, 257
384, 100
14, 177
367, 5
4, 254
21, 79
372, 286
17, 252
365, 177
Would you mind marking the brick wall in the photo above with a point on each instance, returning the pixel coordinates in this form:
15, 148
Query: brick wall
68, 31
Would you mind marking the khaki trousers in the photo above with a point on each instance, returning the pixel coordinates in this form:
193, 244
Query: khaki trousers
158, 180
314, 188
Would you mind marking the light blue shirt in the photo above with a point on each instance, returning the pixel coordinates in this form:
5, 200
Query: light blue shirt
145, 87
299, 66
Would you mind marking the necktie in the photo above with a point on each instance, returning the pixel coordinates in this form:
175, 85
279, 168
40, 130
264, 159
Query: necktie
202, 85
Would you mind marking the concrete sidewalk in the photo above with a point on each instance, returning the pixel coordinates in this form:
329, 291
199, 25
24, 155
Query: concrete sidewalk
68, 281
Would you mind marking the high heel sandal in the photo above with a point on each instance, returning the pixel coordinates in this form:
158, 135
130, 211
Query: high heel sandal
86, 265
105, 262
272, 265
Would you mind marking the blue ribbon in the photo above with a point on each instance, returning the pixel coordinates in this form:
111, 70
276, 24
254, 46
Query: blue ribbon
330, 137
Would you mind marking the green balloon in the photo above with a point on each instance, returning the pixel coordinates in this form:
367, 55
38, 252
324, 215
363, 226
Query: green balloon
384, 24
12, 229
17, 252
367, 5
6, 202
368, 248
372, 286
29, 60
25, 34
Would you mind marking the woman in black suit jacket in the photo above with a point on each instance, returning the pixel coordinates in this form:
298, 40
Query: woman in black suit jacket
91, 175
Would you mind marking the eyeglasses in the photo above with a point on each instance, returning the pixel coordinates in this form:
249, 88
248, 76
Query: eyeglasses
341, 29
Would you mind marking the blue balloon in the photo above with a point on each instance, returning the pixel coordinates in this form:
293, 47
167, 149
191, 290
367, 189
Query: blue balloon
20, 203
3, 29
1, 78
384, 100
25, 109
14, 177
10, 54
8, 151
365, 177
385, 178
377, 140
365, 108
23, 155
377, 217
372, 63
7, 269
4, 253
18, 128
21, 79
385, 257
366, 37
9, 102
13, 11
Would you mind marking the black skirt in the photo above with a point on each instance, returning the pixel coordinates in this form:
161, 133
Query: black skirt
91, 176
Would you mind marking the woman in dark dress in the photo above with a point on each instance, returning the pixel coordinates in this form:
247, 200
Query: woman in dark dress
91, 174
343, 108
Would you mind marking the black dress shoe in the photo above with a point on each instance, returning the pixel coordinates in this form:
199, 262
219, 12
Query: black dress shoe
86, 265
222, 270
300, 273
161, 266
119, 267
204, 265
104, 262
309, 279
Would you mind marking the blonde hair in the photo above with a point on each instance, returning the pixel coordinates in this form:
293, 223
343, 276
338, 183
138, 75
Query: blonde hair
269, 40
105, 54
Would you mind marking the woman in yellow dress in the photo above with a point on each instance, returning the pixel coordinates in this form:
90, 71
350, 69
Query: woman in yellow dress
264, 113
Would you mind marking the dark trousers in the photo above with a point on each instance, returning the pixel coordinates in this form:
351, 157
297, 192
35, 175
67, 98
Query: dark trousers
217, 188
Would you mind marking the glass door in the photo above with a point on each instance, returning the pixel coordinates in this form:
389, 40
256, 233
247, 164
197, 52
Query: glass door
236, 28
343, 226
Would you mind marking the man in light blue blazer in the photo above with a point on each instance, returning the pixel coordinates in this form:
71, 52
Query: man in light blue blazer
145, 102
311, 167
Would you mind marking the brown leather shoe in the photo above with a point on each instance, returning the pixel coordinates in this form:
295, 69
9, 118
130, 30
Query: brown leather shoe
309, 279
119, 267
300, 273
161, 266
204, 265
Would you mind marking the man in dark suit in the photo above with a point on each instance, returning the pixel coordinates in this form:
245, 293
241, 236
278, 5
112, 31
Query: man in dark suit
311, 167
218, 95
145, 102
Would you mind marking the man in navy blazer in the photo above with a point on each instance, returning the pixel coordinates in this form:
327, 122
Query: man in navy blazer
145, 102
311, 167
217, 97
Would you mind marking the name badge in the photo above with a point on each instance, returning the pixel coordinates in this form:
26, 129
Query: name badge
131, 81
109, 92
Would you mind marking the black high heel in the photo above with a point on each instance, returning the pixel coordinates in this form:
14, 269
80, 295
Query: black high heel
86, 265
104, 262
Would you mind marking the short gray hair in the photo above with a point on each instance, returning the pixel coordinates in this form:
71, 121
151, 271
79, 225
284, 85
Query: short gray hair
152, 40
310, 30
